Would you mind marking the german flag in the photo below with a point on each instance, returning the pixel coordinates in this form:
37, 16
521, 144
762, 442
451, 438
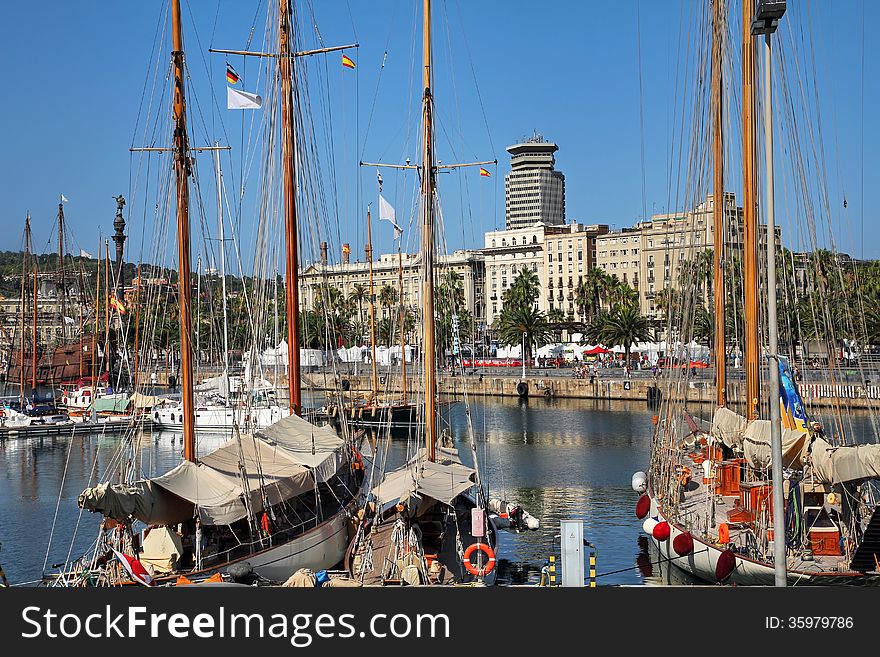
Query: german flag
485, 172
231, 75
347, 61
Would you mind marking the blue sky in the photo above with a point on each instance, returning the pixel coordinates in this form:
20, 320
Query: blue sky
74, 78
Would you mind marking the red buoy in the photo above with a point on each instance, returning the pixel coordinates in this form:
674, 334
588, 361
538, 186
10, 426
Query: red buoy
661, 531
683, 544
643, 506
724, 567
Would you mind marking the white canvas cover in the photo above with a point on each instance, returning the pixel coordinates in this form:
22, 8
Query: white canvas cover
139, 400
218, 499
162, 548
442, 480
728, 427
757, 449
841, 464
280, 474
141, 500
318, 448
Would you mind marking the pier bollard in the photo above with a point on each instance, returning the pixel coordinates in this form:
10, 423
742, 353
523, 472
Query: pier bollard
593, 569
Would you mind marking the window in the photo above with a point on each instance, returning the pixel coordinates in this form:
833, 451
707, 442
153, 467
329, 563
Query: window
513, 242
504, 242
580, 255
560, 267
493, 244
549, 257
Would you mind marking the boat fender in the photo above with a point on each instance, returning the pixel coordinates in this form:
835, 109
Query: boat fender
346, 384
490, 559
522, 389
725, 566
649, 525
683, 544
661, 531
240, 572
643, 507
640, 482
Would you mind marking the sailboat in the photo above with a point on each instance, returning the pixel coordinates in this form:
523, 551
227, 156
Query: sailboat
225, 401
428, 522
751, 500
378, 409
264, 504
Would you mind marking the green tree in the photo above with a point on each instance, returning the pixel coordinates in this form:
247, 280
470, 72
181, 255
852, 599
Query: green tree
624, 326
516, 320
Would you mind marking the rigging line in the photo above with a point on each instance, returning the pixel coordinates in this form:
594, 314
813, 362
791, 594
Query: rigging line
641, 105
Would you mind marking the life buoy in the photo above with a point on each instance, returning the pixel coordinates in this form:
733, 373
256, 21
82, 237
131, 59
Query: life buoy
490, 559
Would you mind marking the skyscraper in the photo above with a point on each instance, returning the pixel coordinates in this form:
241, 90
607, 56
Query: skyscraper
533, 191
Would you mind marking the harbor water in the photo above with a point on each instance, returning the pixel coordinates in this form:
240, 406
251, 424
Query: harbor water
560, 459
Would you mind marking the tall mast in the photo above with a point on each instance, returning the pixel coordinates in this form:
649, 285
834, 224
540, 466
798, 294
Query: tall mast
402, 321
137, 323
718, 203
34, 339
368, 251
24, 260
82, 293
428, 173
288, 150
97, 314
222, 239
182, 170
63, 291
750, 220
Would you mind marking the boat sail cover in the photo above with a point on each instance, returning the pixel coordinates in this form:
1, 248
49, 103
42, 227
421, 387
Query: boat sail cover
728, 427
441, 480
276, 467
318, 448
757, 450
836, 465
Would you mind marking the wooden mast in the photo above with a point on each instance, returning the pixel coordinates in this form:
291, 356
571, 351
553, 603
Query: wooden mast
97, 314
24, 259
428, 172
34, 339
137, 323
368, 251
182, 170
718, 24
288, 147
402, 323
82, 293
63, 291
750, 222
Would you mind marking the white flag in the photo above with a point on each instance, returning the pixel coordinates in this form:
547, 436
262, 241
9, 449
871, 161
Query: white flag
85, 254
236, 99
63, 198
386, 212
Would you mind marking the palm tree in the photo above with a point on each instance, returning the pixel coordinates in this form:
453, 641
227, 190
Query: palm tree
624, 326
388, 296
596, 282
524, 290
516, 320
556, 316
358, 294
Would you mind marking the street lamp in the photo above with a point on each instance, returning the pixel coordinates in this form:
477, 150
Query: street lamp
524, 356
765, 22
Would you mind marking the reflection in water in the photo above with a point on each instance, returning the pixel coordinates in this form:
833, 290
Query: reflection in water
560, 459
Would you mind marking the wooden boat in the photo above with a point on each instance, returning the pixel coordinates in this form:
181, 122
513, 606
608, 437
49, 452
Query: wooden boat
262, 505
768, 497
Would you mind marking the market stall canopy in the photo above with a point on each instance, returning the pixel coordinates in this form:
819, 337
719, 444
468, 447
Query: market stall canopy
595, 351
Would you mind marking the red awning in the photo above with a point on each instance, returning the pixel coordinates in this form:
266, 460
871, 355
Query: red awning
598, 349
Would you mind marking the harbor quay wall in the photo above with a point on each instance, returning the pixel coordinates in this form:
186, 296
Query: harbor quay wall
645, 389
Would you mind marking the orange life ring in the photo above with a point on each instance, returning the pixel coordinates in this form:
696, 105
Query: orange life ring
490, 555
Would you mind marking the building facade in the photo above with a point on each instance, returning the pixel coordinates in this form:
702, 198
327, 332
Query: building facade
533, 190
346, 275
650, 255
